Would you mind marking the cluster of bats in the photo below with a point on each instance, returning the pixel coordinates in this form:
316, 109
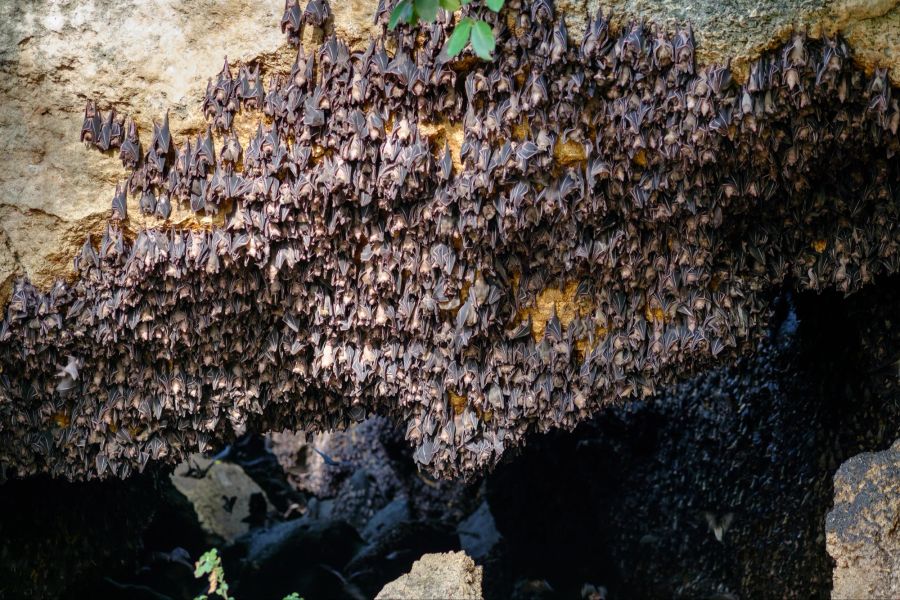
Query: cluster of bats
362, 268
110, 133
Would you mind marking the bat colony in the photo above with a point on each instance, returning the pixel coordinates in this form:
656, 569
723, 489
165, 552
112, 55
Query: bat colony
361, 271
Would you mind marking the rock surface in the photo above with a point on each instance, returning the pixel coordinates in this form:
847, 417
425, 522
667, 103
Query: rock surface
367, 479
221, 498
139, 57
451, 575
862, 530
478, 533
142, 57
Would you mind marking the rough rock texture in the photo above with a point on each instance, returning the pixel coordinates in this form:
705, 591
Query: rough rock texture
362, 470
862, 529
140, 57
145, 57
741, 29
451, 576
221, 498
366, 477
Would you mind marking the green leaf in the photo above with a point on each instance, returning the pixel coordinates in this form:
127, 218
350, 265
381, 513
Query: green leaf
494, 5
459, 37
450, 5
483, 40
464, 2
402, 12
206, 563
427, 10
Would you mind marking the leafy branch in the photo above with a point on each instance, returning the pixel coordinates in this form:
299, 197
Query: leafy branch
476, 31
210, 564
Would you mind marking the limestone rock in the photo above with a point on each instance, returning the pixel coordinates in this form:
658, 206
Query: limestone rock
451, 575
739, 30
862, 530
139, 57
302, 556
221, 498
364, 481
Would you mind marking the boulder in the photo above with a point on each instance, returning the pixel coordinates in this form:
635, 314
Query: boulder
221, 494
452, 575
478, 532
304, 556
863, 528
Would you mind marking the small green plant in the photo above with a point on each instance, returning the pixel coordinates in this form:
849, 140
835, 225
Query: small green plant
476, 31
210, 565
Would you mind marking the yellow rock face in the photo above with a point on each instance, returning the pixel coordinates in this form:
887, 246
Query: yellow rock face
563, 301
439, 133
